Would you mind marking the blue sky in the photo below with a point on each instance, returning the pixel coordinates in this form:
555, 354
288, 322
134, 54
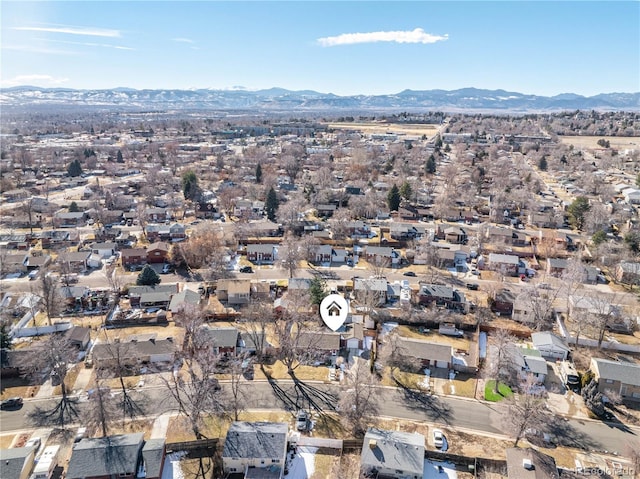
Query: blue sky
364, 47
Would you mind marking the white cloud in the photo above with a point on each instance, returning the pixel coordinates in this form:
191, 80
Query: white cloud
44, 80
407, 36
90, 44
183, 40
72, 30
36, 49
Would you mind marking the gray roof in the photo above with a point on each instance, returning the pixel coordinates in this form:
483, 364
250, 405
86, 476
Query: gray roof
184, 297
419, 349
156, 297
106, 456
152, 454
159, 288
536, 364
323, 341
256, 440
547, 338
370, 284
437, 291
503, 258
627, 373
132, 349
12, 461
222, 337
299, 283
544, 467
260, 248
393, 450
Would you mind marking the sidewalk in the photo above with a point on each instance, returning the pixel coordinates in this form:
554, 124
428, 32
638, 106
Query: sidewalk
82, 381
45, 391
160, 426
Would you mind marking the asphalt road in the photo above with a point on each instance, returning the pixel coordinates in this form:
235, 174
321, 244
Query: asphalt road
478, 417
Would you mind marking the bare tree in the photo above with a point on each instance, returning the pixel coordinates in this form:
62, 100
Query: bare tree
102, 409
526, 412
358, 400
50, 298
237, 399
500, 363
54, 356
291, 252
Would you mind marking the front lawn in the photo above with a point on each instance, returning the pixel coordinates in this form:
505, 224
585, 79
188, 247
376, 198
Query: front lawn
504, 391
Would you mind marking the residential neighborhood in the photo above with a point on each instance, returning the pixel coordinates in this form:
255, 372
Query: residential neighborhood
162, 277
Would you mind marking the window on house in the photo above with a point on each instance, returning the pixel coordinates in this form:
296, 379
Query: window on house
275, 461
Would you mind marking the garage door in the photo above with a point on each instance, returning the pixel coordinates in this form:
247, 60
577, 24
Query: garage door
442, 364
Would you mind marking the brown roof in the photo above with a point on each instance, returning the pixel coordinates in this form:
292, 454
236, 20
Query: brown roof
319, 340
419, 349
133, 252
158, 245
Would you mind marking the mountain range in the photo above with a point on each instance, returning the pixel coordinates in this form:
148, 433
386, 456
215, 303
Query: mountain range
279, 99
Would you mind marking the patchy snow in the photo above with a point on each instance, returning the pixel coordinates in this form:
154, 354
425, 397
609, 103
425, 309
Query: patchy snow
172, 469
387, 328
303, 464
432, 471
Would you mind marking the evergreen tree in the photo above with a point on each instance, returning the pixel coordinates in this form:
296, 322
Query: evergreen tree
599, 237
73, 207
406, 191
577, 210
638, 180
190, 188
148, 277
542, 164
74, 169
393, 198
438, 143
317, 290
271, 205
259, 173
119, 158
430, 167
5, 338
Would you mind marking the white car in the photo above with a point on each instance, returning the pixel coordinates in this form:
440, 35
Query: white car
438, 438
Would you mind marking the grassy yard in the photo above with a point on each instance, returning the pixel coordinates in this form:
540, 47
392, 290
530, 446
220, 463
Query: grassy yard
278, 370
504, 391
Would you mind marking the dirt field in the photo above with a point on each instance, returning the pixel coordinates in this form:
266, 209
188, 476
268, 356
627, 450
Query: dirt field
617, 142
388, 128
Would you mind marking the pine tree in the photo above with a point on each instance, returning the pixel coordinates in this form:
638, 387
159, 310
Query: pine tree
317, 290
190, 188
430, 166
406, 191
148, 277
259, 173
119, 158
393, 198
542, 164
271, 205
73, 207
5, 337
74, 169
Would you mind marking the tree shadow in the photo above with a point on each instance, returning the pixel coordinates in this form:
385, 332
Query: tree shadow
425, 402
567, 435
64, 412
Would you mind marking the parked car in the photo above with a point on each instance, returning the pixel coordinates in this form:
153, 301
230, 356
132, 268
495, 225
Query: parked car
33, 274
246, 269
301, 420
472, 286
34, 442
11, 403
438, 438
166, 269
409, 273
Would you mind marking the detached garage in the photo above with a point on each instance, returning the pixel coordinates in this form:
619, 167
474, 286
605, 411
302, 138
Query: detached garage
551, 347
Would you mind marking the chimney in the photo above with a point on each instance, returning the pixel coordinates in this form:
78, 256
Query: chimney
373, 444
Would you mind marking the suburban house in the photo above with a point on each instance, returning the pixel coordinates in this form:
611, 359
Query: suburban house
628, 273
104, 250
184, 299
157, 214
442, 296
530, 362
358, 229
67, 219
137, 293
133, 256
427, 353
79, 337
499, 236
14, 263
174, 233
506, 264
234, 291
141, 350
621, 378
75, 261
557, 266
454, 235
17, 462
551, 347
326, 210
222, 340
392, 454
502, 303
299, 284
157, 252
322, 254
319, 344
256, 445
373, 290
382, 255
124, 455
527, 463
261, 253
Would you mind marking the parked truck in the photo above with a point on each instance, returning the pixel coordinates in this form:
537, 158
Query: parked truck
569, 375
46, 463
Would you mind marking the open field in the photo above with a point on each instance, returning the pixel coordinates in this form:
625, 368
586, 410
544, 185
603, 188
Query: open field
388, 128
617, 142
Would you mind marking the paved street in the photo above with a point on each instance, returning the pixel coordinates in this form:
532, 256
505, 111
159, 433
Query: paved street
467, 414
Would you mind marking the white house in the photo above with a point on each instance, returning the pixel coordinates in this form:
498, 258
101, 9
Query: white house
550, 346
